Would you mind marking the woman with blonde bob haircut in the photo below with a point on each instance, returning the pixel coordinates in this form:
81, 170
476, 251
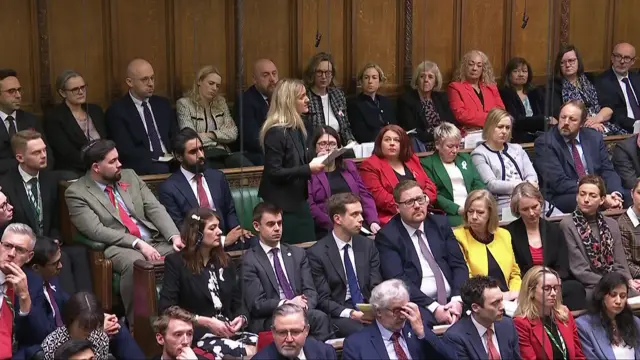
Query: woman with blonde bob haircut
540, 313
287, 168
486, 247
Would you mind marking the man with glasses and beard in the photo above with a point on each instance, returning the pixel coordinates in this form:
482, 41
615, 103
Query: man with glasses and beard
115, 207
194, 185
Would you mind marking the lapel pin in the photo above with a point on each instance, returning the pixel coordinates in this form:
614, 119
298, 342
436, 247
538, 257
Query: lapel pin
409, 335
288, 254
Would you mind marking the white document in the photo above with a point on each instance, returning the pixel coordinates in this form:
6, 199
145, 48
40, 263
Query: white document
472, 139
332, 156
164, 158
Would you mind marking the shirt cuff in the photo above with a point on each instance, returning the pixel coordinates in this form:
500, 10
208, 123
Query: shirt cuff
346, 313
457, 298
20, 313
135, 242
281, 302
618, 193
171, 239
222, 239
433, 307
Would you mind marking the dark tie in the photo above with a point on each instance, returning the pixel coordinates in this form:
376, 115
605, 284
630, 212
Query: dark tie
576, 159
352, 280
395, 338
12, 126
35, 201
632, 99
54, 304
441, 290
202, 194
282, 279
492, 352
126, 219
151, 130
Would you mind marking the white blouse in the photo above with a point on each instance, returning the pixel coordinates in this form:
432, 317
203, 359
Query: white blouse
457, 184
329, 117
623, 352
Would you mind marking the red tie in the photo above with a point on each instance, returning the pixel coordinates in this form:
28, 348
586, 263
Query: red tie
202, 194
397, 348
126, 219
576, 159
6, 323
492, 352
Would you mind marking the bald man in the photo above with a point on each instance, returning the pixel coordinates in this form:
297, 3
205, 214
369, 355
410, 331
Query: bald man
255, 105
620, 88
142, 124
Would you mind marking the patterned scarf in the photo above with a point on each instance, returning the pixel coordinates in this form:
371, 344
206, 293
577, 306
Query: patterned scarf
585, 91
432, 120
600, 253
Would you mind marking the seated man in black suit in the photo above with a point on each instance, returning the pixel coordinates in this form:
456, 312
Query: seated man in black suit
174, 332
255, 105
194, 186
620, 88
290, 331
345, 265
626, 160
276, 274
142, 124
421, 250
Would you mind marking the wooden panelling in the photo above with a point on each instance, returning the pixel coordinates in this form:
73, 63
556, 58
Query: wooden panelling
434, 29
483, 29
588, 31
626, 27
532, 42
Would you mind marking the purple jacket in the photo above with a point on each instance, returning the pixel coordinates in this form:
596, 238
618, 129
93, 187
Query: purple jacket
320, 191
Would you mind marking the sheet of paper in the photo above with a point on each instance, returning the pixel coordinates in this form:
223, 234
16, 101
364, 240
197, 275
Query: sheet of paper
165, 158
319, 159
412, 131
332, 156
472, 139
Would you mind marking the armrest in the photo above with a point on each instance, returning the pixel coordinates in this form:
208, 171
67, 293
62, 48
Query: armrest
93, 245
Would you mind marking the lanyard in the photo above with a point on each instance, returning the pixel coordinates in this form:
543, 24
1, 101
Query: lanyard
563, 348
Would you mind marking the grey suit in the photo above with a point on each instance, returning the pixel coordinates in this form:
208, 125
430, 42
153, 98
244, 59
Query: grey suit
626, 161
95, 217
262, 294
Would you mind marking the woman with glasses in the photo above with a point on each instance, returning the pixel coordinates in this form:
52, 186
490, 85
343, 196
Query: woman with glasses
486, 247
392, 161
327, 103
546, 328
340, 176
73, 123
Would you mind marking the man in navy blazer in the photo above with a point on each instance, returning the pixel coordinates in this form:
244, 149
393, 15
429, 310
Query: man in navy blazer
468, 337
398, 330
409, 242
194, 186
569, 151
142, 124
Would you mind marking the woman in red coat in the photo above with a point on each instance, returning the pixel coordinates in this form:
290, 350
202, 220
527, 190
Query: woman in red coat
392, 161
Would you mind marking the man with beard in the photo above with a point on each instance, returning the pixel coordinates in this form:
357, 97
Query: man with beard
255, 105
421, 250
485, 333
115, 207
570, 151
194, 186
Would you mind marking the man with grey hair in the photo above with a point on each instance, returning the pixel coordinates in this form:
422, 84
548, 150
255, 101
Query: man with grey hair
291, 339
16, 250
398, 331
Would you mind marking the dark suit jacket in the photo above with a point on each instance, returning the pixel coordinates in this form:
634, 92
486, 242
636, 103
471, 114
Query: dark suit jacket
535, 343
260, 284
613, 97
24, 121
254, 113
66, 137
554, 247
594, 339
313, 350
191, 291
411, 116
401, 258
464, 339
626, 161
368, 344
367, 117
126, 128
286, 169
525, 127
23, 212
329, 275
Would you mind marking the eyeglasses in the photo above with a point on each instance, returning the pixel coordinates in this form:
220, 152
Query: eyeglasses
568, 62
621, 58
395, 311
77, 90
4, 206
421, 200
13, 91
320, 73
548, 288
9, 246
147, 80
289, 332
331, 144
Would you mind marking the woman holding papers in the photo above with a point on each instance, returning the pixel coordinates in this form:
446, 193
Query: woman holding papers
339, 176
287, 168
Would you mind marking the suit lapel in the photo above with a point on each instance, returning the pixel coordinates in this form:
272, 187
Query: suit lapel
378, 342
412, 341
603, 341
47, 199
362, 263
289, 267
472, 94
72, 124
202, 283
474, 337
185, 189
128, 201
263, 260
541, 336
464, 165
567, 335
324, 181
23, 198
586, 151
215, 193
95, 190
441, 172
138, 129
405, 239
615, 84
504, 344
334, 256
296, 143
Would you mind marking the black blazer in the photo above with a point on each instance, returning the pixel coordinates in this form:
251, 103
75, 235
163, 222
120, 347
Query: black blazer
525, 128
329, 276
191, 291
410, 115
613, 97
24, 121
286, 169
626, 161
254, 113
260, 284
66, 137
554, 247
367, 117
13, 188
125, 127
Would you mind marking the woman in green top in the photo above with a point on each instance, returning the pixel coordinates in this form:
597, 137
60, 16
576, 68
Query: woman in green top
452, 172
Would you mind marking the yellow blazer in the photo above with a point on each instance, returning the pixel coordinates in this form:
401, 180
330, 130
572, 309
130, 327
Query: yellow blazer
475, 254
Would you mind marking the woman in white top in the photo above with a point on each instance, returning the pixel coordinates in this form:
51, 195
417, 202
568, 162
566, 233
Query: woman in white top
610, 330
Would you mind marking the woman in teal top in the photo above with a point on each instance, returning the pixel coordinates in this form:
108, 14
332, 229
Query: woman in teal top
452, 172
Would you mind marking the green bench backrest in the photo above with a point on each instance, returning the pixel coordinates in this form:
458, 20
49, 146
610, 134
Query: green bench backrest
245, 199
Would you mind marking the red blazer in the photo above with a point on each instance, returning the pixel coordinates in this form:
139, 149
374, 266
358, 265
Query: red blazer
380, 179
466, 105
531, 332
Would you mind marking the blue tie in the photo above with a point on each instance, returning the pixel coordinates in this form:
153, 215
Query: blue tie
352, 279
151, 130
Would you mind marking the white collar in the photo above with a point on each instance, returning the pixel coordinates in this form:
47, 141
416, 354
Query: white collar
481, 329
341, 243
618, 76
25, 176
137, 101
266, 248
4, 115
633, 217
386, 333
410, 229
568, 141
188, 174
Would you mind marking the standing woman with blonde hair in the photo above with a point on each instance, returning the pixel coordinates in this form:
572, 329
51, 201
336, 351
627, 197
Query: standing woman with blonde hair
286, 166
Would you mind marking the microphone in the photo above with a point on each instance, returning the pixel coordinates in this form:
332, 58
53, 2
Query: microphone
525, 17
318, 38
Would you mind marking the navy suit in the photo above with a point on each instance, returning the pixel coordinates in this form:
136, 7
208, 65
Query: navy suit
464, 339
368, 344
313, 350
126, 128
254, 113
555, 163
399, 258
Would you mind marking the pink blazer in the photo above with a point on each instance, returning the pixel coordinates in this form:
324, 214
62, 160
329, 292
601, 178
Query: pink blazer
466, 106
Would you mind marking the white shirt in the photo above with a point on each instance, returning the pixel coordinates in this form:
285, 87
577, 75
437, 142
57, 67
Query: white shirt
301, 356
46, 295
623, 352
388, 343
138, 104
4, 116
27, 186
329, 117
482, 330
191, 178
633, 217
624, 93
267, 249
457, 184
341, 244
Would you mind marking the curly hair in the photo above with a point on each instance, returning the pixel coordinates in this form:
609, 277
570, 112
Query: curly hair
487, 77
